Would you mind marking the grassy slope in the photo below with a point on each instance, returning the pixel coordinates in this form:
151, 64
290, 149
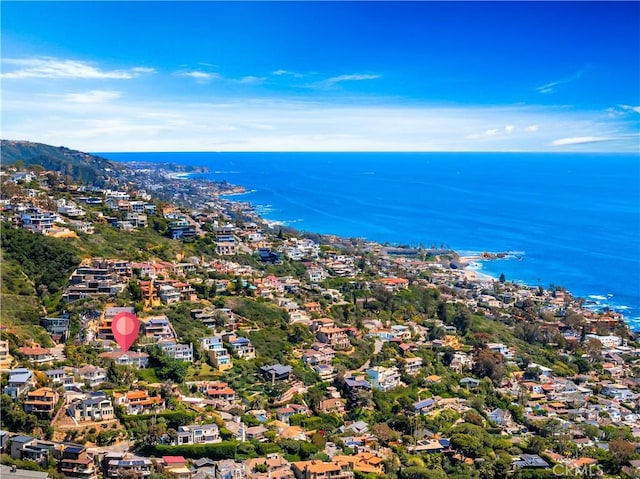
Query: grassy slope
20, 308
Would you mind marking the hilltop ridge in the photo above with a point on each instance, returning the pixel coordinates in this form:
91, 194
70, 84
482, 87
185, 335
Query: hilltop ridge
78, 165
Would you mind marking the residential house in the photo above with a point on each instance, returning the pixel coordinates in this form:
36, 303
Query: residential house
5, 357
355, 384
276, 372
92, 375
432, 446
506, 351
181, 352
37, 354
37, 452
149, 291
96, 407
529, 461
17, 443
619, 392
229, 469
316, 275
219, 390
332, 405
225, 240
198, 434
41, 401
181, 229
104, 328
69, 208
412, 366
394, 284
277, 467
139, 402
326, 372
364, 462
461, 362
144, 270
501, 417
336, 337
157, 328
609, 341
174, 467
56, 376
470, 383
38, 221
284, 413
424, 406
58, 328
316, 469
20, 380
74, 463
384, 379
400, 331
319, 354
169, 294
312, 307
128, 358
116, 465
137, 220
242, 347
218, 354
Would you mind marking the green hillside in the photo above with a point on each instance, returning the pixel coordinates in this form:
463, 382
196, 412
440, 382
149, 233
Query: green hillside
80, 166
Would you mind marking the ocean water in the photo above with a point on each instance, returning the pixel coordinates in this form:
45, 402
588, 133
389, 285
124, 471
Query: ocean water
573, 219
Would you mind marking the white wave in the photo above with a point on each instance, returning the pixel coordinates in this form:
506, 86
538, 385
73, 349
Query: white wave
597, 296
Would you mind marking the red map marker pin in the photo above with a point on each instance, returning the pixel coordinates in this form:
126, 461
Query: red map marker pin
125, 327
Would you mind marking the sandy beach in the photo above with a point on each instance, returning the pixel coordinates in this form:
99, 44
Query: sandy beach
470, 266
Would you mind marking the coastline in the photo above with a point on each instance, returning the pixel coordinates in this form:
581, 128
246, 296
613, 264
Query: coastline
469, 263
586, 269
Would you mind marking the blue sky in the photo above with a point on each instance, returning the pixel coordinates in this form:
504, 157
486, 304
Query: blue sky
322, 76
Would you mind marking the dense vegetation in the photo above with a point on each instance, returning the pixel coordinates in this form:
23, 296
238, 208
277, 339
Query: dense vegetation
80, 166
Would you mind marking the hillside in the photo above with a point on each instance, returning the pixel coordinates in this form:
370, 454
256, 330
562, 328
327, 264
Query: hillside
80, 166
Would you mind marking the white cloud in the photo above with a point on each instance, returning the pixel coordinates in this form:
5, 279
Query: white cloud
93, 96
580, 140
630, 108
301, 124
50, 67
551, 86
332, 82
287, 73
492, 132
352, 77
251, 80
200, 76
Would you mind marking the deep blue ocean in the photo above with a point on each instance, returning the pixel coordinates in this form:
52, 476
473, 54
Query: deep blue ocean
574, 218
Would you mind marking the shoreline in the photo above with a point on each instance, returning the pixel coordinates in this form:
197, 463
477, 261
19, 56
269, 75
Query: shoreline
471, 262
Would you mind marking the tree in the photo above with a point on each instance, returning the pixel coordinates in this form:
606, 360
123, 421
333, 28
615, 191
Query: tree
502, 278
468, 444
462, 320
384, 433
621, 451
593, 349
135, 291
443, 312
489, 364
